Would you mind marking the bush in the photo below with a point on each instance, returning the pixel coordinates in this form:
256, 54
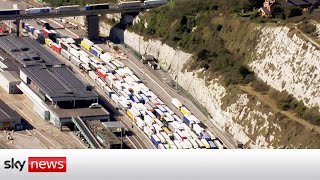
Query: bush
244, 71
219, 27
278, 12
308, 28
294, 11
260, 86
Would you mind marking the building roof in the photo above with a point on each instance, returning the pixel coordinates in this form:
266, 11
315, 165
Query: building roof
298, 2
83, 113
59, 83
113, 124
10, 76
288, 3
27, 51
312, 1
284, 3
7, 114
108, 136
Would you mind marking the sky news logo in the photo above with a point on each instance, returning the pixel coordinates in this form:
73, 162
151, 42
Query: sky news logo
38, 164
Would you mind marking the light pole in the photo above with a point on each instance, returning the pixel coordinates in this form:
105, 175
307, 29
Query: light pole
139, 37
177, 84
121, 138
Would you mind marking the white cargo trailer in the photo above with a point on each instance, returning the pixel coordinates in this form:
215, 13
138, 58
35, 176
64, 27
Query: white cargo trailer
66, 54
176, 103
194, 143
177, 143
162, 139
93, 75
177, 137
165, 135
218, 144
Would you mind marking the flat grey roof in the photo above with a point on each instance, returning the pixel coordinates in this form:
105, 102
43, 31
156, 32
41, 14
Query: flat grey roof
84, 113
27, 51
7, 114
109, 136
113, 124
59, 83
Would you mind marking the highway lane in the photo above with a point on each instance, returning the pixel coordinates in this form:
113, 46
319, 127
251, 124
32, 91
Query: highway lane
166, 93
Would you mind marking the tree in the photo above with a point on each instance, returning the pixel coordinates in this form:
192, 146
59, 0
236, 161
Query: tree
294, 11
278, 12
256, 3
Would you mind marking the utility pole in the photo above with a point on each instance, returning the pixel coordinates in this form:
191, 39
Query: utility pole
177, 84
139, 36
121, 138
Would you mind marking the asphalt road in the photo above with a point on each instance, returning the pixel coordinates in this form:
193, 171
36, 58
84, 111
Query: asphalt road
166, 93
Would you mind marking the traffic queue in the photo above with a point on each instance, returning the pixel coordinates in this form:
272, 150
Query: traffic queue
165, 129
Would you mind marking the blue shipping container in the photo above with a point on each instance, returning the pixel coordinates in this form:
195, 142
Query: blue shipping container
110, 93
31, 29
94, 51
157, 112
205, 136
154, 141
186, 120
134, 99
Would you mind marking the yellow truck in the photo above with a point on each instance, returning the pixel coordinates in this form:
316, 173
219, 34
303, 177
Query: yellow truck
185, 111
85, 43
48, 41
130, 114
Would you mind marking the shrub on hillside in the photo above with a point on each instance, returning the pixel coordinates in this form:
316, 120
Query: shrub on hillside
260, 86
293, 11
278, 12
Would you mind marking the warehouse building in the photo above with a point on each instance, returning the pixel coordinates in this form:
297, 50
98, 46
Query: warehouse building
58, 95
9, 81
9, 119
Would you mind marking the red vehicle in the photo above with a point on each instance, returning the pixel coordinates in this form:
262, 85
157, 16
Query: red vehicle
46, 32
56, 47
101, 73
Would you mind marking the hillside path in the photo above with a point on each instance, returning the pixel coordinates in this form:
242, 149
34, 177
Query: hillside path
273, 105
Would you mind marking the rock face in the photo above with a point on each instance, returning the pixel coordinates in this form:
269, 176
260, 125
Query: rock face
286, 62
247, 119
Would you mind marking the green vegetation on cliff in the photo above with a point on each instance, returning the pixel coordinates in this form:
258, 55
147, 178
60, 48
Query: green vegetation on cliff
222, 43
198, 27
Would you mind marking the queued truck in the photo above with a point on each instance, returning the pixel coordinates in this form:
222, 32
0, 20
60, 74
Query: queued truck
142, 105
155, 140
48, 42
185, 111
46, 32
39, 36
86, 43
56, 47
